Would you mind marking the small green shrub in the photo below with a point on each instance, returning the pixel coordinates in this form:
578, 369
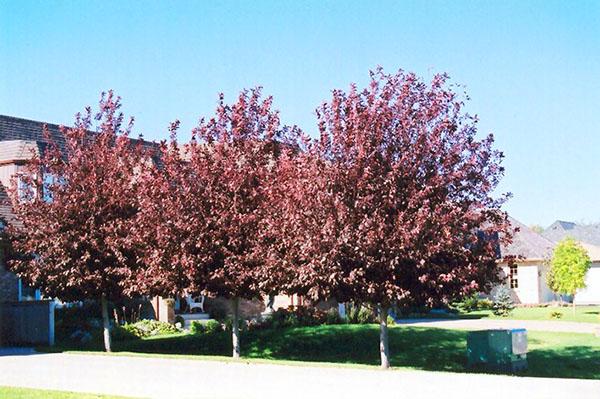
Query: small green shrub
213, 326
147, 328
485, 304
503, 303
332, 316
391, 321
366, 316
120, 333
197, 327
556, 314
471, 303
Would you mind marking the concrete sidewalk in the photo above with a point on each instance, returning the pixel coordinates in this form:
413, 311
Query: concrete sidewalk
483, 324
182, 378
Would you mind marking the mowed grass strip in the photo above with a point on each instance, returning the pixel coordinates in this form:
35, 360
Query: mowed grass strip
559, 355
29, 393
581, 314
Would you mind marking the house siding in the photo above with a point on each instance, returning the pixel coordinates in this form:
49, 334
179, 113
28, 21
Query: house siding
590, 294
9, 286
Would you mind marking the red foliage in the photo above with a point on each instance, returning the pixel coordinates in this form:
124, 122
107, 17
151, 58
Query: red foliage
75, 208
393, 203
206, 213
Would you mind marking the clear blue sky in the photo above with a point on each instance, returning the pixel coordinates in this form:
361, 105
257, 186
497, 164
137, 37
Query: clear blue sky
532, 70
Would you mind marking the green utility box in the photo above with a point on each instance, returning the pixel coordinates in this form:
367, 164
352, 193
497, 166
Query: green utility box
498, 350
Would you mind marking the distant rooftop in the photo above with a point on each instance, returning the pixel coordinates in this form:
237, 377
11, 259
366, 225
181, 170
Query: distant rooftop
19, 131
558, 230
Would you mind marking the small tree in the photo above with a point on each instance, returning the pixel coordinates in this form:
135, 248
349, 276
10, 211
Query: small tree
75, 206
503, 303
568, 267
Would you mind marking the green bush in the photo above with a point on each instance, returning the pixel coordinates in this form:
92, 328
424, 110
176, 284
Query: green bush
197, 327
359, 314
121, 333
485, 304
77, 319
503, 303
213, 326
473, 302
366, 316
147, 328
332, 316
391, 321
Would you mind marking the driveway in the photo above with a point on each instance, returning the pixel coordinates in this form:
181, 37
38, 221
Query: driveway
182, 378
483, 324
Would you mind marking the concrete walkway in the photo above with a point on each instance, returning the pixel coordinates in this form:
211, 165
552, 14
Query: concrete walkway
182, 378
483, 324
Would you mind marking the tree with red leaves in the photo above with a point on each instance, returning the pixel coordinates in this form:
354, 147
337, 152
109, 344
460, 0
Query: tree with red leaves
206, 211
75, 206
393, 204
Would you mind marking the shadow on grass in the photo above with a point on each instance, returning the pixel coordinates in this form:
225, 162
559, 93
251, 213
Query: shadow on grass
415, 347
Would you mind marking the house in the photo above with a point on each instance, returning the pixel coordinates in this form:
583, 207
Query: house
526, 276
589, 238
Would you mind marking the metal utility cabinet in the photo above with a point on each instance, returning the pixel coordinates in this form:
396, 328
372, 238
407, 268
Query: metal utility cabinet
498, 350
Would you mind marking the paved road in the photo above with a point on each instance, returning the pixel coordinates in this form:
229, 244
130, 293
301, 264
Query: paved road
482, 324
182, 378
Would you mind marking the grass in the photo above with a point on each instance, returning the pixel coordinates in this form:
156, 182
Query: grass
563, 355
581, 314
28, 393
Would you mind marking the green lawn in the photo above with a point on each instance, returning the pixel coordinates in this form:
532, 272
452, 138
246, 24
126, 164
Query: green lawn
28, 393
584, 314
551, 354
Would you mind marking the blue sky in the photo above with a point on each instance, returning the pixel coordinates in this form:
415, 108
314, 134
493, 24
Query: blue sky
532, 70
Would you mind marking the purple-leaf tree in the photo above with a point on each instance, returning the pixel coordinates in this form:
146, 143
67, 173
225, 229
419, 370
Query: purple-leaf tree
392, 204
75, 204
206, 210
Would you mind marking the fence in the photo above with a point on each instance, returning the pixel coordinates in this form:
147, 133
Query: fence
27, 323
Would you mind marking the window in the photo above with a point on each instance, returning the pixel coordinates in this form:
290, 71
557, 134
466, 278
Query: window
28, 188
27, 293
48, 185
514, 277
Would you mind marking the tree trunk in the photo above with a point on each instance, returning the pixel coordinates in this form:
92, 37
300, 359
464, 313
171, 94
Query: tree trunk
106, 324
235, 331
384, 348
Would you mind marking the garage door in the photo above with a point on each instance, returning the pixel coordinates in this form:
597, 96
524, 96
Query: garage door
591, 294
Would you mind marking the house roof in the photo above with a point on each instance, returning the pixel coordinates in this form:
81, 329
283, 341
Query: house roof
527, 243
559, 230
19, 137
17, 131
